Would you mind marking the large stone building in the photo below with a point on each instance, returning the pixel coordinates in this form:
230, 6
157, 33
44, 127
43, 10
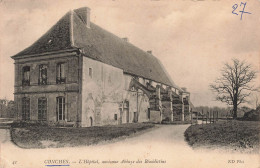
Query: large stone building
81, 74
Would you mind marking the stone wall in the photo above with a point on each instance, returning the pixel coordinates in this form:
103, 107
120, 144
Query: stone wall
138, 101
141, 108
71, 109
69, 90
155, 116
102, 93
167, 111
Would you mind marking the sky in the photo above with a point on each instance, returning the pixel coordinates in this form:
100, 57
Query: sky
191, 38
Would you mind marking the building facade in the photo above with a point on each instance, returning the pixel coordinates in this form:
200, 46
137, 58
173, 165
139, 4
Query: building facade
80, 74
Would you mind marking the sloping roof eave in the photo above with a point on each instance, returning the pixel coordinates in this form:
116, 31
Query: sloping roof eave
44, 53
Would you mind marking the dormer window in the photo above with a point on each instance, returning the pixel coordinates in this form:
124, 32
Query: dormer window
26, 76
43, 74
60, 73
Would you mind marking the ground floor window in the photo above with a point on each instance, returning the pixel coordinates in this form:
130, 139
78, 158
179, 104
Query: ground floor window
60, 108
42, 109
25, 108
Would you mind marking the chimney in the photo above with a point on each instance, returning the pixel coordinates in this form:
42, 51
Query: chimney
84, 15
150, 52
125, 39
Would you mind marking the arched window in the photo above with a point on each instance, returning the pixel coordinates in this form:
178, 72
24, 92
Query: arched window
42, 109
25, 108
91, 121
60, 106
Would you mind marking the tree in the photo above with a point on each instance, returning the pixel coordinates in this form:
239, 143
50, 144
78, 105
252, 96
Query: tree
234, 85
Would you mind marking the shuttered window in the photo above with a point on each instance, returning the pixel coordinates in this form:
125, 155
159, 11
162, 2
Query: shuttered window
26, 76
60, 73
43, 75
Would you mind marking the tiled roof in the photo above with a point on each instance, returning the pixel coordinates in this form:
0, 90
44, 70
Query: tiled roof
70, 32
57, 38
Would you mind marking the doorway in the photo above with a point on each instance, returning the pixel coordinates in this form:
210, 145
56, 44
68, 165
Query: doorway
91, 121
135, 117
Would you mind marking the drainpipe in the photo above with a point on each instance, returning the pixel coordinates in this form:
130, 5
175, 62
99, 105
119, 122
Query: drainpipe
80, 80
182, 109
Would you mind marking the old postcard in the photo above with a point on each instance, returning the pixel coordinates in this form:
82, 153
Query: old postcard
129, 83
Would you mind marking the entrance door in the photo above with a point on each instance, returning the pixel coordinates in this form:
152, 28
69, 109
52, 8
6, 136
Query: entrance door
91, 121
127, 115
135, 117
148, 113
120, 117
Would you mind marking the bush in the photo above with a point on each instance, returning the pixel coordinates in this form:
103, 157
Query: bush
242, 136
25, 124
252, 115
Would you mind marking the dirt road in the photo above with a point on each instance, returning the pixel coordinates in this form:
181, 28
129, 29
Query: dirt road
165, 144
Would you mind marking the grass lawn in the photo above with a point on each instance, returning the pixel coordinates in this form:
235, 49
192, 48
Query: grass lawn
43, 136
233, 135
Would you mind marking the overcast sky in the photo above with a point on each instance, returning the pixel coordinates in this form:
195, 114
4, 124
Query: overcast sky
191, 38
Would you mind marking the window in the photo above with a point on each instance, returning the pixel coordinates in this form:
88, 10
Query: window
126, 104
60, 108
42, 109
25, 108
115, 116
90, 72
43, 75
60, 73
26, 76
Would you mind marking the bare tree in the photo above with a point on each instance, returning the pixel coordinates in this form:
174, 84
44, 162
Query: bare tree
234, 84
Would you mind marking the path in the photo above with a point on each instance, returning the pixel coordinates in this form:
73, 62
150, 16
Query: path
165, 144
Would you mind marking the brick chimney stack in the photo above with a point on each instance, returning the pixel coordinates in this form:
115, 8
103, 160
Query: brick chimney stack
84, 14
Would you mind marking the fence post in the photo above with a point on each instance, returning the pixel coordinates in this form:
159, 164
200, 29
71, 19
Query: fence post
207, 117
210, 116
214, 116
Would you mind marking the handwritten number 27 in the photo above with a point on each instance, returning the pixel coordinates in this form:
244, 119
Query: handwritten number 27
235, 6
